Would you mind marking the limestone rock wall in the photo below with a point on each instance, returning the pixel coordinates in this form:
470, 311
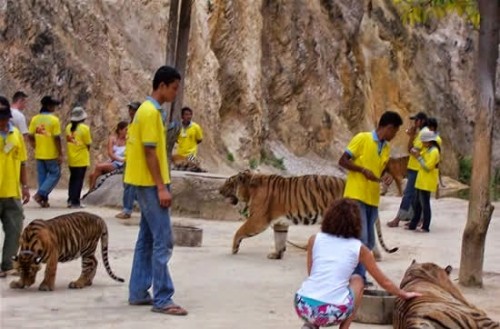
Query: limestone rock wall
293, 78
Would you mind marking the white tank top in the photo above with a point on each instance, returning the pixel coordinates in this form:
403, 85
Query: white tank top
334, 260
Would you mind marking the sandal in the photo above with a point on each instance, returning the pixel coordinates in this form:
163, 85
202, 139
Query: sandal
171, 309
421, 230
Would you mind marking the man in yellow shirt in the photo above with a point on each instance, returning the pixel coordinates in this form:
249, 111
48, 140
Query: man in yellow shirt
13, 186
45, 137
366, 157
405, 212
190, 135
147, 170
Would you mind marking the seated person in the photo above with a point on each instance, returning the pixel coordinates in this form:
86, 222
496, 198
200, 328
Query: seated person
189, 137
116, 153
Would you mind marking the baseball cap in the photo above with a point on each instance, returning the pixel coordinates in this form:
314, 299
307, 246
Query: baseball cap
48, 101
419, 116
134, 105
5, 108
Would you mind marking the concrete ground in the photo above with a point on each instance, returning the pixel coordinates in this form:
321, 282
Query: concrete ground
221, 290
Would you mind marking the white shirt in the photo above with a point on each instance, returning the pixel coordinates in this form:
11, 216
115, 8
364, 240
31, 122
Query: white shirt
334, 260
19, 120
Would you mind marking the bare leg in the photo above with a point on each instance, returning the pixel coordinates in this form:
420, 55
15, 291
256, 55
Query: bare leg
100, 169
357, 286
280, 234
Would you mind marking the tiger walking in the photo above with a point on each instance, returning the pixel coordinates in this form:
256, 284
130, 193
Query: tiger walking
61, 239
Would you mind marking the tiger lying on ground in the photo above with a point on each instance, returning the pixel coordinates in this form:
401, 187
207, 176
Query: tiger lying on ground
61, 239
442, 305
302, 199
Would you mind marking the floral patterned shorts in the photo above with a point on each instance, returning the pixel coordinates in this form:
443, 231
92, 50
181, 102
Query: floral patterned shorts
321, 314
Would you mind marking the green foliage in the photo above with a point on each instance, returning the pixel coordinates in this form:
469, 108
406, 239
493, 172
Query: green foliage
230, 157
420, 11
253, 163
465, 170
269, 158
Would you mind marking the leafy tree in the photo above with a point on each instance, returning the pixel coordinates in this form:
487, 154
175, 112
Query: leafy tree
485, 15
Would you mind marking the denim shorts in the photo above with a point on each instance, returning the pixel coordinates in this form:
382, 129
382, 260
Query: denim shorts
322, 314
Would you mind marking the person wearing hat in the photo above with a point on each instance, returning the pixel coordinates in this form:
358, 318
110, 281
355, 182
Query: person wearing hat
78, 141
414, 143
45, 137
129, 191
427, 180
13, 186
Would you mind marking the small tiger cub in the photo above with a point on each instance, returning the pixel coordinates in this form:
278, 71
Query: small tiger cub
61, 239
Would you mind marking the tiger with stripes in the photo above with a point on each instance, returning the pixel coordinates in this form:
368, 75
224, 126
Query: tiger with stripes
441, 305
301, 199
61, 239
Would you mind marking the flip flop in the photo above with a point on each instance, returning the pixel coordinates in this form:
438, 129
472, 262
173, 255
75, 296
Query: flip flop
171, 310
392, 224
421, 230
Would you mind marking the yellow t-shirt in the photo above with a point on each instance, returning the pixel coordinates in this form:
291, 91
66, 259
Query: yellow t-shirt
78, 142
417, 143
187, 142
45, 127
12, 154
428, 177
147, 129
368, 152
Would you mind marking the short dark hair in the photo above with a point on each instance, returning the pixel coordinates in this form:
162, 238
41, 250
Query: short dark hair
165, 74
343, 219
186, 109
18, 95
432, 123
390, 118
120, 126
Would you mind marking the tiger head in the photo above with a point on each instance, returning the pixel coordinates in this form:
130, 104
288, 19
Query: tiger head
426, 271
27, 263
236, 187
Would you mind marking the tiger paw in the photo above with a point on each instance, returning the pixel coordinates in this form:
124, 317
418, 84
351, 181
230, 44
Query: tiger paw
45, 287
235, 251
78, 284
16, 285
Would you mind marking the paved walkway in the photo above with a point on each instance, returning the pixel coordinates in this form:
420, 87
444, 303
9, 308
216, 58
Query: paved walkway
220, 290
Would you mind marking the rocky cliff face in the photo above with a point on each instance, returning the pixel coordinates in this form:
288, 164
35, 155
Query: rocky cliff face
267, 79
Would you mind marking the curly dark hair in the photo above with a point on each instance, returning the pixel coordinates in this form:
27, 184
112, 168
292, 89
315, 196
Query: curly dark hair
343, 219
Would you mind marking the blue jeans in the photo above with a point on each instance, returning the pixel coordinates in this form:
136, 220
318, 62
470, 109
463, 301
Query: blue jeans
405, 208
369, 215
49, 173
129, 196
421, 204
153, 250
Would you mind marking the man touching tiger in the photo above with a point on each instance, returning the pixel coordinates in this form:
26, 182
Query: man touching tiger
366, 157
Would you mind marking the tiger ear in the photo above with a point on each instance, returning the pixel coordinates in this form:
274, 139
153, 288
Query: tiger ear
14, 258
448, 269
38, 260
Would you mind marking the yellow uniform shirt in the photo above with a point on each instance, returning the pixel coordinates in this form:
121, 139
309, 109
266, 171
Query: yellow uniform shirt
368, 152
428, 174
12, 154
417, 143
147, 129
187, 142
45, 126
78, 142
